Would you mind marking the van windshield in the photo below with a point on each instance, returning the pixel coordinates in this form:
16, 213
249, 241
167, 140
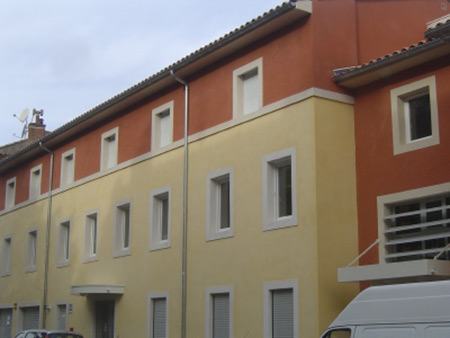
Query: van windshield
339, 333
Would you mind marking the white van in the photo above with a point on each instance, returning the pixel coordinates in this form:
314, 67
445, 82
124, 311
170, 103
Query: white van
416, 310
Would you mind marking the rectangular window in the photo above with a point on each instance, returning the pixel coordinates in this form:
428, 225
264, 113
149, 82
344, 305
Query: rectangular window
414, 115
219, 312
279, 190
160, 218
29, 317
247, 88
158, 315
30, 263
122, 245
162, 126
67, 167
64, 243
5, 267
281, 309
219, 204
91, 234
61, 317
6, 315
417, 229
35, 182
10, 197
110, 141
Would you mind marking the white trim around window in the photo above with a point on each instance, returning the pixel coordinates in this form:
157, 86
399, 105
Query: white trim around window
279, 189
281, 305
122, 231
219, 204
405, 121
162, 126
63, 253
160, 219
219, 313
109, 148
67, 167
31, 250
10, 193
248, 88
35, 182
158, 314
90, 235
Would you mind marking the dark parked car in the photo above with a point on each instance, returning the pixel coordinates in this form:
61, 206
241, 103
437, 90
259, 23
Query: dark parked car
47, 334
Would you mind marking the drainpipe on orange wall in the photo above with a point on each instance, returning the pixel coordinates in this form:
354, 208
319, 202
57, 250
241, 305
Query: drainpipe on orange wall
47, 237
185, 190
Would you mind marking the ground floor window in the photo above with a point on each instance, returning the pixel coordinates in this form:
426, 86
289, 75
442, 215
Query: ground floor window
5, 323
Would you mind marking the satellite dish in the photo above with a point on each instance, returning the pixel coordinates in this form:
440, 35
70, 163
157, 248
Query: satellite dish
24, 115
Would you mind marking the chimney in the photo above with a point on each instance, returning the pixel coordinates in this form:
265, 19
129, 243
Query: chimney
36, 129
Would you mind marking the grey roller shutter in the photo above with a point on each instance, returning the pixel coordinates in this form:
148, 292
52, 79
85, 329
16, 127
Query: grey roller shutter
159, 318
282, 313
5, 323
30, 317
221, 315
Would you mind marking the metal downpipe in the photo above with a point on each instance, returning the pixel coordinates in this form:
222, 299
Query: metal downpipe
185, 190
47, 237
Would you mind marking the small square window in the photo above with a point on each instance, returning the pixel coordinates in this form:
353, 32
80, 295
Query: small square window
64, 243
35, 182
414, 116
109, 148
160, 218
279, 190
5, 259
219, 312
122, 242
247, 88
67, 167
91, 236
162, 126
219, 204
158, 315
30, 263
10, 197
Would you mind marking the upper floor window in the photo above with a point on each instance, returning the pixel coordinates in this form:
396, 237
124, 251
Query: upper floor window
160, 218
415, 115
30, 263
35, 181
67, 167
64, 243
219, 204
162, 126
122, 239
5, 262
279, 190
110, 141
10, 195
247, 88
91, 236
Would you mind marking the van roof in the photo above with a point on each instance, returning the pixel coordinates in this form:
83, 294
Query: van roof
401, 303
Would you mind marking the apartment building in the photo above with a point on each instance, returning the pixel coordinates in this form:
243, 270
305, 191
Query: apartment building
216, 198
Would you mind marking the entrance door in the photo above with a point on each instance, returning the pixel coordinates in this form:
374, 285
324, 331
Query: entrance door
104, 319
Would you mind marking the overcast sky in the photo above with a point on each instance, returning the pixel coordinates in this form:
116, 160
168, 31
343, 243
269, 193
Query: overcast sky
68, 56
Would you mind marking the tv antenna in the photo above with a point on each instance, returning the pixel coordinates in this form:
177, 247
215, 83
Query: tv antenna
23, 118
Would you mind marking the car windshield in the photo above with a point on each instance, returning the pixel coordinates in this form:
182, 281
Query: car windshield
63, 335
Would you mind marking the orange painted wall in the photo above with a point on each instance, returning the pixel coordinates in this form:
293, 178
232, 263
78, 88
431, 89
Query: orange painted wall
379, 172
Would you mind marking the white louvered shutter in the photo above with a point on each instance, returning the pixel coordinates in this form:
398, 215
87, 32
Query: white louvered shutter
221, 315
282, 314
159, 318
250, 92
30, 318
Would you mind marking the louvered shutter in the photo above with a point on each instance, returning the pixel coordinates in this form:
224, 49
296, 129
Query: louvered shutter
282, 314
251, 92
5, 323
30, 317
159, 318
221, 315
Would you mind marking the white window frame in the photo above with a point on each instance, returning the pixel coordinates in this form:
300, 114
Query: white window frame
269, 287
35, 182
150, 314
67, 167
156, 242
213, 200
383, 203
209, 308
120, 228
156, 137
238, 87
400, 116
5, 263
58, 312
64, 234
10, 193
109, 156
90, 236
19, 314
270, 165
31, 250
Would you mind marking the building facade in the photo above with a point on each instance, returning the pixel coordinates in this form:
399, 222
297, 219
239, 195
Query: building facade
117, 224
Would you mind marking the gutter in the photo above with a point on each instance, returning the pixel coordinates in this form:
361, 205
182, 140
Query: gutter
47, 237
